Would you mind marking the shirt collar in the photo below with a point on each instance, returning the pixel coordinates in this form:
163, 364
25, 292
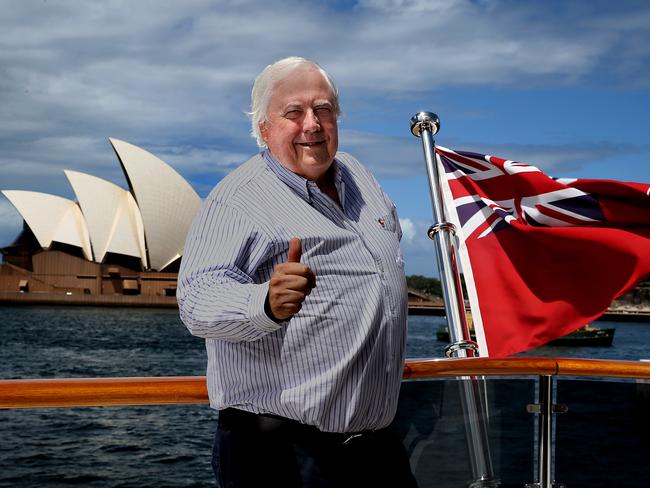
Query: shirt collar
301, 186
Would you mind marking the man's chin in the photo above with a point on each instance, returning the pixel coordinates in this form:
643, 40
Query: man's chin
315, 167
320, 161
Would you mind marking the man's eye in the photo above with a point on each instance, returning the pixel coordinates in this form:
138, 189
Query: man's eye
324, 113
292, 114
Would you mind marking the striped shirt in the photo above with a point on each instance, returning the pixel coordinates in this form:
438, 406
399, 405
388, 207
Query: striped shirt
336, 364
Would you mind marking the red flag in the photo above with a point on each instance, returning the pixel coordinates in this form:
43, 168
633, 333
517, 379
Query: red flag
541, 256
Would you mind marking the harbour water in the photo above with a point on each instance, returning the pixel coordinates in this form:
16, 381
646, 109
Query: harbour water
156, 445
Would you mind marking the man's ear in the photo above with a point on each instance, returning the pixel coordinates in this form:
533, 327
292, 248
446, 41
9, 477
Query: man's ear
263, 130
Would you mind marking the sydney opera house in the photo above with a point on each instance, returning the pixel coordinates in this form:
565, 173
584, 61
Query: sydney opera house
110, 246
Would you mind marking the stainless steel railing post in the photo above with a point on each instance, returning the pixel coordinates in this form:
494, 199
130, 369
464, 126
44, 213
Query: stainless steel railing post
545, 409
425, 125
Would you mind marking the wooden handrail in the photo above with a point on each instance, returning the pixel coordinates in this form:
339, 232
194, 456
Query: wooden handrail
525, 366
445, 368
96, 392
87, 392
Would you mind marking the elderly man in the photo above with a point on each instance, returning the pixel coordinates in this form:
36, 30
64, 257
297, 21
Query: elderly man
292, 273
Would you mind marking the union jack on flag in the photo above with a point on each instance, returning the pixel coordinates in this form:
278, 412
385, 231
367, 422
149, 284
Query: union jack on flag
541, 256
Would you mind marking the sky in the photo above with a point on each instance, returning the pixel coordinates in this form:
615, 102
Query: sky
562, 85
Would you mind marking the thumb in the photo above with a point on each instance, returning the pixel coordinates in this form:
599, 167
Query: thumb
295, 250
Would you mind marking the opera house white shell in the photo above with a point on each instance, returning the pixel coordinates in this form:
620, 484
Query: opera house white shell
114, 221
149, 222
52, 218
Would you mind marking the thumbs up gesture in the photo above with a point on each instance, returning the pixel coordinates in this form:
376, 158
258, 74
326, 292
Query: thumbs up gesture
290, 284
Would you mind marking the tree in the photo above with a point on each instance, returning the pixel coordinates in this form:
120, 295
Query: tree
423, 284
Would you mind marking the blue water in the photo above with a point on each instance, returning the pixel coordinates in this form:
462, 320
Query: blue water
146, 446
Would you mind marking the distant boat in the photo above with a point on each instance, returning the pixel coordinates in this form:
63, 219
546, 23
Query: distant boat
587, 336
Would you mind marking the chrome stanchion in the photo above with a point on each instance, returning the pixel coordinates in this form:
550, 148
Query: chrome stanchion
545, 408
425, 125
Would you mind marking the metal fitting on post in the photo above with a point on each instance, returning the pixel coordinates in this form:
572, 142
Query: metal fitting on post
446, 226
423, 121
451, 349
484, 483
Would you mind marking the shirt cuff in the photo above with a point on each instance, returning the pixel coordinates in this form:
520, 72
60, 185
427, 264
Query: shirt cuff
256, 311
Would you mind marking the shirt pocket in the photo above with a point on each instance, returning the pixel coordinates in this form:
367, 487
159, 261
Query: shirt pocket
390, 223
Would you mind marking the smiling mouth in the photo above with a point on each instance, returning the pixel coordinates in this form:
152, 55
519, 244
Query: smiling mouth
310, 144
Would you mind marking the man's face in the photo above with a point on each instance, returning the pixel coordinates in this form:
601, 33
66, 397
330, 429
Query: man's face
301, 130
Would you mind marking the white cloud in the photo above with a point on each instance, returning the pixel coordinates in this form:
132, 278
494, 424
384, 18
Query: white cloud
557, 159
417, 248
174, 77
408, 229
385, 155
390, 156
184, 69
417, 6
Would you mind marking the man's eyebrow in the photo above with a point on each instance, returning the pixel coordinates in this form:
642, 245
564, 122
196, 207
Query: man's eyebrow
292, 106
298, 106
323, 103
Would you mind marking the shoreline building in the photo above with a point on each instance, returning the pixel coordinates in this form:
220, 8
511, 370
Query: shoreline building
110, 246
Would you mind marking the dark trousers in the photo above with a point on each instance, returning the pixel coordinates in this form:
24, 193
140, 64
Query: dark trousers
265, 451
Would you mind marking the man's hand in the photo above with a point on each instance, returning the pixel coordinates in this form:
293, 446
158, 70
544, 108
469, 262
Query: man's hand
290, 283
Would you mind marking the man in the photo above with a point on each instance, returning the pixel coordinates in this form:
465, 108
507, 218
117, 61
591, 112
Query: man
292, 273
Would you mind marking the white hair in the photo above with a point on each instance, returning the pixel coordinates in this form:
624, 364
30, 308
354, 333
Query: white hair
265, 84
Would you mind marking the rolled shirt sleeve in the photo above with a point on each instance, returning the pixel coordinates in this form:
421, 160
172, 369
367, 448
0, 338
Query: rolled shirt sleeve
218, 296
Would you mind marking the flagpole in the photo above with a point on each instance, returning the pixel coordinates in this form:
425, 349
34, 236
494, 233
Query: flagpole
425, 125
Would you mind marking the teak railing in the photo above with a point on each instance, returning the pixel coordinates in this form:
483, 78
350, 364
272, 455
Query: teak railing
92, 392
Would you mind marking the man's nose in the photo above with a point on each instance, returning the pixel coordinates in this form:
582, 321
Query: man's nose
311, 123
